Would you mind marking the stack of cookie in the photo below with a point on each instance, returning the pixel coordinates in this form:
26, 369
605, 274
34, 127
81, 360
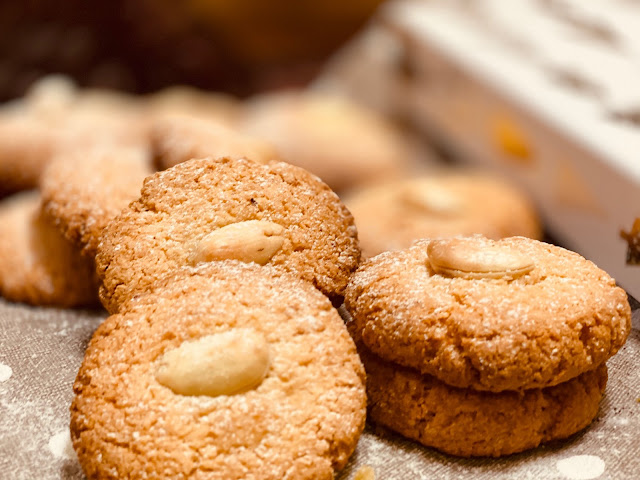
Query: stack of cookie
481, 347
224, 355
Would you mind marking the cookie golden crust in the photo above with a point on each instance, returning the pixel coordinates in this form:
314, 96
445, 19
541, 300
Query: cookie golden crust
83, 190
37, 265
468, 423
343, 143
392, 216
511, 314
301, 422
180, 209
178, 138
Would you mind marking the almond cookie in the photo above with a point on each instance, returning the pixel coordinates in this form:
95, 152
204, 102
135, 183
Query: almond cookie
226, 371
206, 210
510, 314
391, 216
465, 422
344, 144
83, 190
37, 264
177, 138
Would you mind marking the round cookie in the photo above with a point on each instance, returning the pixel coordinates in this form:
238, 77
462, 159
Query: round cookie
287, 217
468, 423
510, 314
391, 216
177, 138
84, 189
37, 265
301, 420
344, 144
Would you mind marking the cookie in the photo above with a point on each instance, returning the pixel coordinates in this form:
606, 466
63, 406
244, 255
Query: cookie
216, 107
37, 265
510, 314
205, 210
468, 423
178, 138
342, 143
284, 394
54, 118
83, 190
105, 117
26, 146
392, 215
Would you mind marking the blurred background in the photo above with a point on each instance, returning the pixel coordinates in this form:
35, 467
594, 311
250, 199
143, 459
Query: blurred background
552, 107
140, 46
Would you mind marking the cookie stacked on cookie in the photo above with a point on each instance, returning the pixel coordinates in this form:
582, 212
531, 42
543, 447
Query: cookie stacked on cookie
224, 351
482, 347
224, 356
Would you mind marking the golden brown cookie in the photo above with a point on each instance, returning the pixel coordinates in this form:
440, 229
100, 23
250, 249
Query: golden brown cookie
344, 144
217, 107
465, 422
83, 190
105, 117
37, 265
510, 314
391, 216
178, 138
55, 118
205, 210
26, 145
283, 395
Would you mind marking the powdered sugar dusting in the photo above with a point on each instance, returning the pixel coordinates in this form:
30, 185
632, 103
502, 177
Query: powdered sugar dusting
60, 445
5, 372
581, 467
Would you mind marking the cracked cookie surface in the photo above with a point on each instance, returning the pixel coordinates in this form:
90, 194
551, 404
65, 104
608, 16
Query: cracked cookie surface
301, 422
552, 323
180, 207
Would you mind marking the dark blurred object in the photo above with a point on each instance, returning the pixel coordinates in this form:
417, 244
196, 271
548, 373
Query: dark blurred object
140, 46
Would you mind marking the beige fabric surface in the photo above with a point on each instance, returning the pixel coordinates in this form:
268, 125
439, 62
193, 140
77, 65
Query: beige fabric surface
41, 350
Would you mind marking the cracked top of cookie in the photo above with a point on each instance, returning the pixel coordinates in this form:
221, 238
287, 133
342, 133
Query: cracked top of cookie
208, 210
510, 314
